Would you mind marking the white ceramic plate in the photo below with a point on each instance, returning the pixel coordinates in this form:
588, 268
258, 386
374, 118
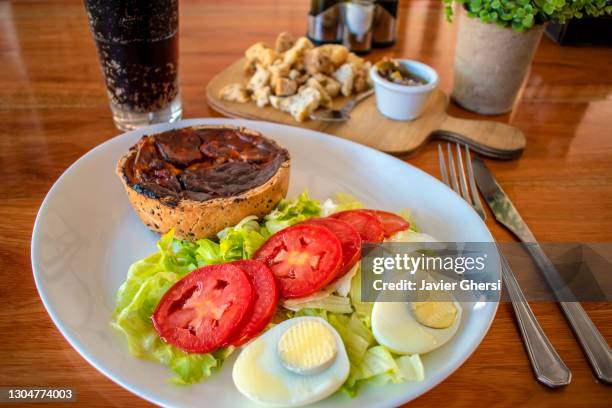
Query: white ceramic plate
86, 236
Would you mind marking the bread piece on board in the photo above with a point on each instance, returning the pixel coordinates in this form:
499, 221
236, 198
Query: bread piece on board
235, 92
262, 54
284, 41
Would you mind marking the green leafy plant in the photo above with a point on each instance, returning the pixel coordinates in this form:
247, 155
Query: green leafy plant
524, 14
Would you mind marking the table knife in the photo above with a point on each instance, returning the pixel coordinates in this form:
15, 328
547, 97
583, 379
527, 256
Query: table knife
595, 347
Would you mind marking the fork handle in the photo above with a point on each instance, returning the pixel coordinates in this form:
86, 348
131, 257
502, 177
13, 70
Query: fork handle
353, 102
548, 366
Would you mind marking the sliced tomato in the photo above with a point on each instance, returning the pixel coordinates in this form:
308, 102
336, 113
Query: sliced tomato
391, 223
304, 258
201, 311
350, 241
367, 225
264, 304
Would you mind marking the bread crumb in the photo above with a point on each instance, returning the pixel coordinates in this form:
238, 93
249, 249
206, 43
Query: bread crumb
300, 105
332, 87
316, 61
293, 54
345, 75
249, 67
304, 103
325, 99
337, 53
234, 93
284, 41
260, 79
261, 53
262, 96
285, 87
278, 70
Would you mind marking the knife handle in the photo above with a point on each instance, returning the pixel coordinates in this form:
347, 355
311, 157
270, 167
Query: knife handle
548, 366
592, 342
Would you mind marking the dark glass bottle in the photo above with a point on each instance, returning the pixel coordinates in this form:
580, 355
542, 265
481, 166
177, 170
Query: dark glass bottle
385, 23
324, 22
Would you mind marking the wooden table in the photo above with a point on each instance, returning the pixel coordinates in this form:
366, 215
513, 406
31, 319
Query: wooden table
53, 109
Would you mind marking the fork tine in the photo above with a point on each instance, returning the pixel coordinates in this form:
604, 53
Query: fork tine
442, 165
451, 169
461, 171
475, 198
475, 202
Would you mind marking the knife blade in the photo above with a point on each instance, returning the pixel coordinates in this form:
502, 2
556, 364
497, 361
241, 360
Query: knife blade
593, 343
499, 203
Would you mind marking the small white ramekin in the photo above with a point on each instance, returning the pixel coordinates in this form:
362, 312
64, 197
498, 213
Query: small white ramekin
404, 102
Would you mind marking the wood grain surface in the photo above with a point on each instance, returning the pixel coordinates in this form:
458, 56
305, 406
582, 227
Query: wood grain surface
53, 109
367, 126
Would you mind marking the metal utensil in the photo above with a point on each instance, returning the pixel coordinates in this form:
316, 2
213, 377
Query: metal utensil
547, 365
592, 342
342, 114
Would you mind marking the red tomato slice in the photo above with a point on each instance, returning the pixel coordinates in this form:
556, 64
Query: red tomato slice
367, 225
304, 258
350, 241
264, 305
201, 311
392, 223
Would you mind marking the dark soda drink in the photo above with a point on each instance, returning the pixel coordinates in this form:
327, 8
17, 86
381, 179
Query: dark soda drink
137, 43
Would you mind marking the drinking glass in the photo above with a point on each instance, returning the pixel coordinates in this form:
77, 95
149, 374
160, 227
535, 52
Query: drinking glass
137, 43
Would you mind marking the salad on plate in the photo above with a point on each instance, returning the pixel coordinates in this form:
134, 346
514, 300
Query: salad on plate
283, 292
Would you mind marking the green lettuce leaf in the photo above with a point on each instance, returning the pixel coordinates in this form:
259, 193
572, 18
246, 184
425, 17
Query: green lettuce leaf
291, 212
347, 202
241, 241
411, 367
330, 303
377, 367
357, 326
208, 252
342, 202
363, 310
356, 346
308, 312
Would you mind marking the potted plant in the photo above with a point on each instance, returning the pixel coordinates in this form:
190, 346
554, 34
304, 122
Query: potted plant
496, 41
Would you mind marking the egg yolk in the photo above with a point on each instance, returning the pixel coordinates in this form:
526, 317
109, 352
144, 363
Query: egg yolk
307, 347
437, 315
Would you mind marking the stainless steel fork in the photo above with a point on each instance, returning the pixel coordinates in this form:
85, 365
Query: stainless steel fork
548, 367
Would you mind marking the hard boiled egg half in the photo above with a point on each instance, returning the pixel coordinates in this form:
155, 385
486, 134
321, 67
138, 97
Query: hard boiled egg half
297, 362
415, 327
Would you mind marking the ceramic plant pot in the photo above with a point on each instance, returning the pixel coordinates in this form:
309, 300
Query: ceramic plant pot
491, 63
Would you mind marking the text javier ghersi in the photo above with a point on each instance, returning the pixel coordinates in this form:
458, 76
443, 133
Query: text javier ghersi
411, 264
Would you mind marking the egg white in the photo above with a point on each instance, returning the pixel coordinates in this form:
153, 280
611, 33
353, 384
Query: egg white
395, 327
260, 375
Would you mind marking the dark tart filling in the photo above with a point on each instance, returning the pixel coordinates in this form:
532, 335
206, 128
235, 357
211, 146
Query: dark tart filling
202, 163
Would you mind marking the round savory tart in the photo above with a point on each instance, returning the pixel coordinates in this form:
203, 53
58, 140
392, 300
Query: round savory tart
201, 179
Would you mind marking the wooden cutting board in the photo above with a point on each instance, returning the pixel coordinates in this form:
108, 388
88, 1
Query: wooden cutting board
367, 126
